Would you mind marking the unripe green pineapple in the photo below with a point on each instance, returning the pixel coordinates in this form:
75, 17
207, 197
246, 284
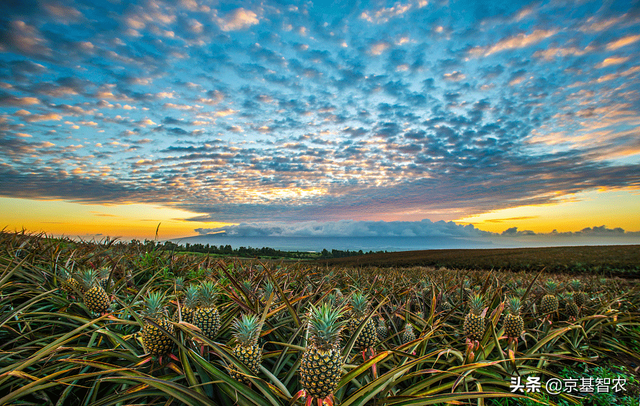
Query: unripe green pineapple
206, 316
549, 303
368, 336
381, 331
246, 332
474, 321
572, 308
408, 334
321, 365
578, 296
190, 303
513, 323
95, 298
155, 340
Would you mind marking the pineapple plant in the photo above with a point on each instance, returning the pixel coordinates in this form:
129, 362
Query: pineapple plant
578, 296
189, 304
513, 323
549, 303
206, 316
474, 325
95, 298
321, 365
246, 332
572, 307
408, 334
155, 340
368, 335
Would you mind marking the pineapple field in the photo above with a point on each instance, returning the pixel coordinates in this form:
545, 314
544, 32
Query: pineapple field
111, 323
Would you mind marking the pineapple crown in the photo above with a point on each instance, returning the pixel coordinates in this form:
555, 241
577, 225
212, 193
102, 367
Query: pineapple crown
325, 326
64, 274
551, 286
154, 305
359, 304
569, 297
476, 303
104, 272
269, 288
513, 304
191, 296
520, 292
408, 327
576, 285
208, 292
179, 283
87, 278
246, 330
246, 285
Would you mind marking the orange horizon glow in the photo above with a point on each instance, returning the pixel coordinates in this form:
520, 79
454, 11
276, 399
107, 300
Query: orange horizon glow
611, 208
122, 221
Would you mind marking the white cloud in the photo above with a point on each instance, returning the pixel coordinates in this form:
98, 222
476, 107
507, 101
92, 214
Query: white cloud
350, 228
238, 19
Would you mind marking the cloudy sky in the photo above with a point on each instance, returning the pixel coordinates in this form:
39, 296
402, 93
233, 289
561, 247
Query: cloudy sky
119, 115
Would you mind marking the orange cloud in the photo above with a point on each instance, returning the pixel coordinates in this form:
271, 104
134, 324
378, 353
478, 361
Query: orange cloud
630, 39
514, 42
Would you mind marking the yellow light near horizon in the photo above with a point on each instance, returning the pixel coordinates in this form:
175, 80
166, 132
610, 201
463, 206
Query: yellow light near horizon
611, 208
124, 221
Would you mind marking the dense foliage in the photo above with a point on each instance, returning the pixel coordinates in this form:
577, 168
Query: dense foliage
603, 260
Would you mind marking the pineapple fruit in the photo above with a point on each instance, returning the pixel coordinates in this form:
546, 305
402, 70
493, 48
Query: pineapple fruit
246, 332
549, 303
408, 334
95, 297
474, 325
572, 307
513, 323
206, 316
70, 284
368, 335
578, 296
321, 365
155, 340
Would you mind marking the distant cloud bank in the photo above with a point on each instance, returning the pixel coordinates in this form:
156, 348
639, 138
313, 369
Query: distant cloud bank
423, 228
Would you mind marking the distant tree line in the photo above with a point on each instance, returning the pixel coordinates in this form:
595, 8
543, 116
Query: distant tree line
228, 250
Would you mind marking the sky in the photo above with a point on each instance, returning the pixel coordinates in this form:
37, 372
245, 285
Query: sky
503, 117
